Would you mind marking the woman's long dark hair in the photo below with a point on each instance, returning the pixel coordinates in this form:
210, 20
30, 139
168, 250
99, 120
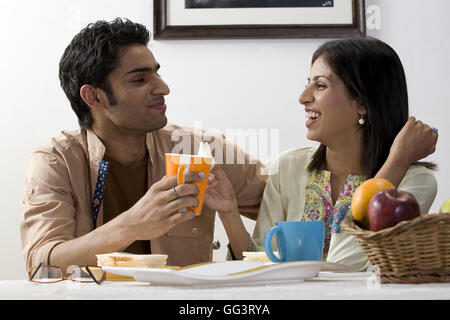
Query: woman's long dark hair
373, 74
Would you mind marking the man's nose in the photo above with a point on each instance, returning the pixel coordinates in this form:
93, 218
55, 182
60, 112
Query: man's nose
160, 88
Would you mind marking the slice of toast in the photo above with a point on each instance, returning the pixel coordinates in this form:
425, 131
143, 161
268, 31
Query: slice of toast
259, 256
124, 259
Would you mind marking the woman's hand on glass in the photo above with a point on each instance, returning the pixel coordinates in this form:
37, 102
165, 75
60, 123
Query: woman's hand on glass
219, 194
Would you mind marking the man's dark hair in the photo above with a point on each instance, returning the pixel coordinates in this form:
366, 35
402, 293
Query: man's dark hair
91, 56
373, 74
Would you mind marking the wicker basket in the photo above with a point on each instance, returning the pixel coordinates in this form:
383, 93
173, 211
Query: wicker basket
414, 251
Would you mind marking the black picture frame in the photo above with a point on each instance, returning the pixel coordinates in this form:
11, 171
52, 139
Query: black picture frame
162, 31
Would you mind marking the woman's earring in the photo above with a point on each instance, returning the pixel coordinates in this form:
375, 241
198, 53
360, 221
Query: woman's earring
361, 120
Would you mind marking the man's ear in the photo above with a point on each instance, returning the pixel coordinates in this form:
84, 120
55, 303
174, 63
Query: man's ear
91, 97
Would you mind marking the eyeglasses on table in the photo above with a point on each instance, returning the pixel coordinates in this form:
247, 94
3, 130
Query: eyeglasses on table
52, 274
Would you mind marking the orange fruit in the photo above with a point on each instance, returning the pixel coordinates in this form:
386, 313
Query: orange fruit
362, 196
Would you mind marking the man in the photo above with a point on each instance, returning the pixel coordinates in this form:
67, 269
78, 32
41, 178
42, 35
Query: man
102, 188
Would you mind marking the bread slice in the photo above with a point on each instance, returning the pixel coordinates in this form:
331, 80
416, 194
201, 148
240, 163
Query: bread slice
259, 256
124, 259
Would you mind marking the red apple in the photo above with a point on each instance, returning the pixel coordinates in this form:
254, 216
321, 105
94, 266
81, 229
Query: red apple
390, 206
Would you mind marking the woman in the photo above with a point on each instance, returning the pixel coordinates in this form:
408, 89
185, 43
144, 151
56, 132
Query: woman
356, 104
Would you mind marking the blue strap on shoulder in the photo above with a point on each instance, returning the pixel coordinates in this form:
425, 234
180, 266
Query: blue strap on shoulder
99, 190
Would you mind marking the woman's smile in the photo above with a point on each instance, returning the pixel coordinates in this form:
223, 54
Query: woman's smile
312, 117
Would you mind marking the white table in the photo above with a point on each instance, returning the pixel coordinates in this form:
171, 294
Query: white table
326, 285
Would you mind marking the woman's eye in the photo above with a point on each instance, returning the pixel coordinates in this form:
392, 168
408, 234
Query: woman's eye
320, 86
138, 80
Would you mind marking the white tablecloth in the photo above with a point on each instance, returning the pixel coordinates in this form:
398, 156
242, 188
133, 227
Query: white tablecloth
327, 285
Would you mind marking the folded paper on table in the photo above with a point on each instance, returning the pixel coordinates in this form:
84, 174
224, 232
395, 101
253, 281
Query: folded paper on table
230, 272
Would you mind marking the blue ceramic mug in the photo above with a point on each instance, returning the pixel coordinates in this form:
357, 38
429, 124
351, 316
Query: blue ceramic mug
296, 241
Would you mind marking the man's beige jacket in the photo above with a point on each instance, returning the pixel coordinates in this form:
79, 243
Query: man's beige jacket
62, 176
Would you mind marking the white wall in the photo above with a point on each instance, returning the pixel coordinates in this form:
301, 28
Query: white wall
231, 83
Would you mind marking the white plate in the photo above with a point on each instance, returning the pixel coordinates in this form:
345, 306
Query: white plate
230, 272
